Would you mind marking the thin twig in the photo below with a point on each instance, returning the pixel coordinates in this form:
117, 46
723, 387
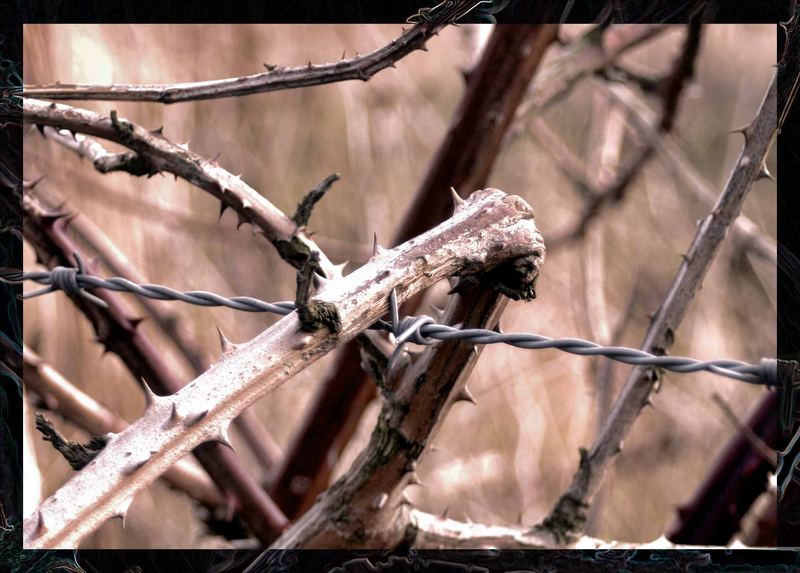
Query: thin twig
275, 78
615, 189
569, 515
292, 243
641, 118
61, 396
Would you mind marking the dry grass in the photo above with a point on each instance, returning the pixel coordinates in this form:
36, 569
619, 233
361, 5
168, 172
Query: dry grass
515, 451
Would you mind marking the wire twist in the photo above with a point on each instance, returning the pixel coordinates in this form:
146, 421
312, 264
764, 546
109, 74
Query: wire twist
417, 329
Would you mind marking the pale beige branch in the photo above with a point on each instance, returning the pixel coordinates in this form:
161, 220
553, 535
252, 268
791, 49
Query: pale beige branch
61, 396
487, 229
568, 517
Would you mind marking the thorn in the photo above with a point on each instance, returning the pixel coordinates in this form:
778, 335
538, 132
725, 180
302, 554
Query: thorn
192, 419
226, 345
151, 398
458, 202
122, 512
184, 146
466, 396
445, 512
764, 173
159, 131
519, 517
34, 183
133, 467
173, 416
241, 221
271, 67
376, 248
41, 127
135, 322
216, 157
223, 438
343, 52
339, 269
467, 518
497, 328
413, 479
744, 130
222, 207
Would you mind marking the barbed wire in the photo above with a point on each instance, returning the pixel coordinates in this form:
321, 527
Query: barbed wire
417, 329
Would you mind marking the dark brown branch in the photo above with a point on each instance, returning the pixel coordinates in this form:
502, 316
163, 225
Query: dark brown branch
464, 160
259, 441
737, 478
275, 78
569, 515
117, 330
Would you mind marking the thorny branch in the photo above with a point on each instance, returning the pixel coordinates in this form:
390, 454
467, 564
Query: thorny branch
202, 410
259, 441
60, 395
464, 160
367, 507
161, 154
275, 78
569, 514
118, 331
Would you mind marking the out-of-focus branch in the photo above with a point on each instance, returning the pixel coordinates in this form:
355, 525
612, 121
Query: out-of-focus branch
713, 514
593, 51
154, 153
755, 440
118, 331
569, 515
614, 190
746, 232
61, 396
367, 507
275, 78
259, 441
491, 228
464, 160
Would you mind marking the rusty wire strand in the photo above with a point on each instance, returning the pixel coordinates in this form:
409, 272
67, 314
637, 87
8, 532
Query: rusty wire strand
417, 329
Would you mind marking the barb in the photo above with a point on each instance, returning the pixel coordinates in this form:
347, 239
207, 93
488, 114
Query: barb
418, 329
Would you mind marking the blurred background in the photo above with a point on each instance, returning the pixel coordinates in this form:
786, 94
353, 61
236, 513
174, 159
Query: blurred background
507, 459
